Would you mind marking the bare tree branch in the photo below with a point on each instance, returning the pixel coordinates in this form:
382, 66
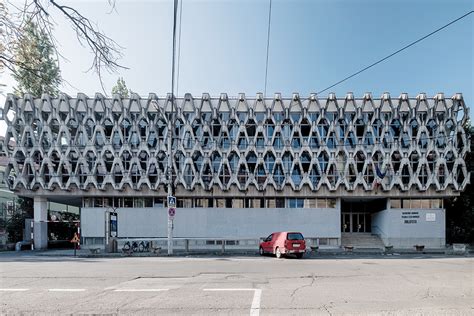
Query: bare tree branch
106, 53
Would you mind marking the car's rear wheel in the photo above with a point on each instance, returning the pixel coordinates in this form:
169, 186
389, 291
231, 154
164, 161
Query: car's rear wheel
299, 255
278, 252
260, 251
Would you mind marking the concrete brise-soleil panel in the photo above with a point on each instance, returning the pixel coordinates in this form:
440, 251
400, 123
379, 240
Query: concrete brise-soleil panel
318, 144
214, 222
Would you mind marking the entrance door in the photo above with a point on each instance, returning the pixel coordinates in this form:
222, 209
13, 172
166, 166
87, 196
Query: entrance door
346, 222
355, 222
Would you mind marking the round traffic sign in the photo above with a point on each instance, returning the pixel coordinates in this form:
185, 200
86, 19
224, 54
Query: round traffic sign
171, 211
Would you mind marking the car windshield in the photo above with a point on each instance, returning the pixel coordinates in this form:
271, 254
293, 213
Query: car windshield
294, 236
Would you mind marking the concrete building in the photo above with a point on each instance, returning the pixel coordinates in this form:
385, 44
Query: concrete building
243, 167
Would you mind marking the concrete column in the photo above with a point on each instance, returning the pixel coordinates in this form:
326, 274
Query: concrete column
40, 226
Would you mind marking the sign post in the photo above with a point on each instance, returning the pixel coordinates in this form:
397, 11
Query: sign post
171, 212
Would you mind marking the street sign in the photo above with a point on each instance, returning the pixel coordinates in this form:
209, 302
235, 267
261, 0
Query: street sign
171, 201
171, 211
75, 239
113, 224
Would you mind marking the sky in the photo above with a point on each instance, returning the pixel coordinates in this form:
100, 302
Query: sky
313, 44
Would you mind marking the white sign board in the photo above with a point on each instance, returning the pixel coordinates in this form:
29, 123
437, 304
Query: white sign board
431, 217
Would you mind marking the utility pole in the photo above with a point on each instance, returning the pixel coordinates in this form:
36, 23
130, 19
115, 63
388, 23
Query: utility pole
171, 123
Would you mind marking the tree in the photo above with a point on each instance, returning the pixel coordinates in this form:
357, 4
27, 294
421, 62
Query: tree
106, 52
460, 210
16, 223
36, 50
3, 14
121, 88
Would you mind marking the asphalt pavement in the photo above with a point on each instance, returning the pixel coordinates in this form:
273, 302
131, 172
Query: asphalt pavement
237, 285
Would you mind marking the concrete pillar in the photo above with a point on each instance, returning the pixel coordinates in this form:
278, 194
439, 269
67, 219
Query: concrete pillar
40, 226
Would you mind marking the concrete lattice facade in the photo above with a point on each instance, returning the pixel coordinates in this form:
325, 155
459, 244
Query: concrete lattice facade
226, 143
242, 167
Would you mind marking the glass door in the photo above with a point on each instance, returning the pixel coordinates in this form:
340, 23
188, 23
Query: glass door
355, 222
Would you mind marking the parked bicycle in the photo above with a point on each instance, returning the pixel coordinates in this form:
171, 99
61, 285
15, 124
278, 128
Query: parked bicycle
143, 246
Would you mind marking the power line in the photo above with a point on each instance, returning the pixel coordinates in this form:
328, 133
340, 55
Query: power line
268, 46
396, 52
179, 46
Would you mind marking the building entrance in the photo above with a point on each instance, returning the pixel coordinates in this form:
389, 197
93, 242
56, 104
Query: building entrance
356, 222
356, 215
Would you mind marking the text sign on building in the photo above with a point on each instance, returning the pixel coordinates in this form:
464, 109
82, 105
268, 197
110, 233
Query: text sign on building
171, 201
410, 217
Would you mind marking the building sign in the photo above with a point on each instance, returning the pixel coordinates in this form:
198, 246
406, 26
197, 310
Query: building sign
113, 224
431, 217
410, 217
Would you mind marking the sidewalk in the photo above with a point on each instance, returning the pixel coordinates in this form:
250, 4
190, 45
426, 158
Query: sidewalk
326, 253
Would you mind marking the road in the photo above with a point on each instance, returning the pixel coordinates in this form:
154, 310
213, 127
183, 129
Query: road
236, 285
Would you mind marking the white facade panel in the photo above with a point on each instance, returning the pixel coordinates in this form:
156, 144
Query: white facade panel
215, 222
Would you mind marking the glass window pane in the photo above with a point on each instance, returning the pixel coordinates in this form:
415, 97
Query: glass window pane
321, 203
220, 203
425, 203
395, 203
238, 203
415, 203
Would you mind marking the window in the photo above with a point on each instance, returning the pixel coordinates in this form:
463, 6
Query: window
280, 203
185, 203
159, 202
139, 202
295, 203
87, 202
395, 203
275, 203
238, 203
220, 203
437, 203
310, 203
321, 203
148, 202
128, 202
331, 203
294, 236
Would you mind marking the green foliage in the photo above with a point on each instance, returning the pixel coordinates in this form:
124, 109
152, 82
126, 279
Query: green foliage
460, 210
16, 223
15, 226
121, 88
40, 71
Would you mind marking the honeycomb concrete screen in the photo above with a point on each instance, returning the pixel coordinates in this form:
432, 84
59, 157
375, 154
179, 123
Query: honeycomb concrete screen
281, 152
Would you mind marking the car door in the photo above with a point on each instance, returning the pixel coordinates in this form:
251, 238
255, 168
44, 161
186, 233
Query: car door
267, 244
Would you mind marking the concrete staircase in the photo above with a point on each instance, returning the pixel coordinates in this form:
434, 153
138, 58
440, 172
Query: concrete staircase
362, 241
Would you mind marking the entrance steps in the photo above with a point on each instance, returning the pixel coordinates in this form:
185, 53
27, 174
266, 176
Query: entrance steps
361, 241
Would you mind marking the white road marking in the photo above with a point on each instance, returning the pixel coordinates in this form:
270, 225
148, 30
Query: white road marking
13, 290
238, 289
257, 295
140, 290
66, 290
255, 309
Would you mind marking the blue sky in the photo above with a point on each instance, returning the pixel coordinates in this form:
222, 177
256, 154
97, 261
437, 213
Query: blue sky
312, 45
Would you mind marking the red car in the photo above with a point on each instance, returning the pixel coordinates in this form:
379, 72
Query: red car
282, 243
